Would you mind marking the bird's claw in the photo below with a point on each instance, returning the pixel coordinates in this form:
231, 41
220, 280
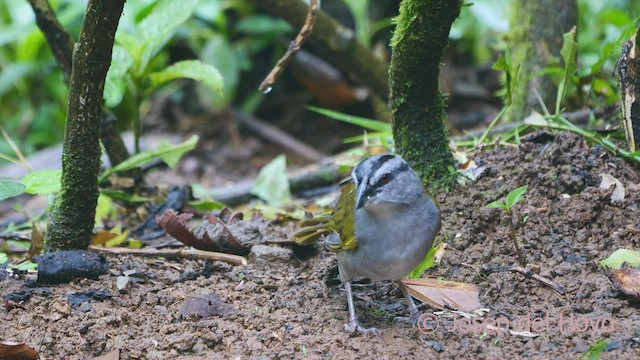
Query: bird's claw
353, 326
412, 319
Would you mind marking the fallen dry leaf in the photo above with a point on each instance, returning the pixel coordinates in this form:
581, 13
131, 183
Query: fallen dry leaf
37, 241
445, 294
226, 232
618, 193
205, 306
15, 351
626, 280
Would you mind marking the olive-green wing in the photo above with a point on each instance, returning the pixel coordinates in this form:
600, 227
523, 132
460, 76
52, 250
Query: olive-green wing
342, 222
337, 228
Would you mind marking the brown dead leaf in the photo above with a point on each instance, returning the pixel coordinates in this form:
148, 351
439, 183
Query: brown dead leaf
445, 294
226, 232
15, 351
37, 241
626, 280
618, 192
205, 306
176, 226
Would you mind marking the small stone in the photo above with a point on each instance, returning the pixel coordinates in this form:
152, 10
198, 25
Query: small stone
269, 254
436, 345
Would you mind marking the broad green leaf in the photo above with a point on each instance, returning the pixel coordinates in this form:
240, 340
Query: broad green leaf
568, 52
115, 84
190, 69
272, 182
28, 265
9, 189
497, 205
594, 352
515, 196
155, 30
428, 262
218, 52
370, 124
536, 119
262, 25
205, 205
3, 258
621, 256
146, 156
43, 182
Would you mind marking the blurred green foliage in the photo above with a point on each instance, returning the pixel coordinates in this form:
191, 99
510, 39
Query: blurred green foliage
232, 36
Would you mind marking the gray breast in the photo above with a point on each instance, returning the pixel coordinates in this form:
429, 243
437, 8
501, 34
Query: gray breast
390, 247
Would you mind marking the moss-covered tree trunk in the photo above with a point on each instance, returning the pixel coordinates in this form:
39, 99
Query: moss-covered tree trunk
417, 105
61, 45
535, 40
72, 218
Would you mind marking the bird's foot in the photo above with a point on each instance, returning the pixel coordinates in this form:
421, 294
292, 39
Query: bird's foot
412, 319
354, 326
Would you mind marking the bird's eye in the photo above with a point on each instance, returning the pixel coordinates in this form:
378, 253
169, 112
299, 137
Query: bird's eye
385, 179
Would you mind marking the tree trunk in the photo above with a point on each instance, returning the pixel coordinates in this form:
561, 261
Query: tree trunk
72, 217
61, 45
417, 105
535, 41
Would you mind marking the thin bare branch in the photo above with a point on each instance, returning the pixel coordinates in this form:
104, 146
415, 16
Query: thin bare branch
188, 253
294, 47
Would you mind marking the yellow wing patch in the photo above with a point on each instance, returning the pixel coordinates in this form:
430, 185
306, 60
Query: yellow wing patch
340, 222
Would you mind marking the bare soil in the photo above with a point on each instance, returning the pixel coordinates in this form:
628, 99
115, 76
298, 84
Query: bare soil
293, 306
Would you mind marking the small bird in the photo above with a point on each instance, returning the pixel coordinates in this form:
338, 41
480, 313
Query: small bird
381, 228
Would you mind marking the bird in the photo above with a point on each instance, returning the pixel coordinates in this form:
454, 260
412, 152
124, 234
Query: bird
381, 228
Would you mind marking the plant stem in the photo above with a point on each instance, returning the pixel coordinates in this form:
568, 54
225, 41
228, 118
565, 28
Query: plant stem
512, 231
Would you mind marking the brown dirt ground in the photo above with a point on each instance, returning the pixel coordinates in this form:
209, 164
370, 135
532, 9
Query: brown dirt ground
296, 308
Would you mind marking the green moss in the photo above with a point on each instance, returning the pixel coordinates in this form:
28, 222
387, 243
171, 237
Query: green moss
417, 105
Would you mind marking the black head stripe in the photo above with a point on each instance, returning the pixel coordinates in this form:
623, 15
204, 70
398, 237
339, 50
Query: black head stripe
377, 164
373, 189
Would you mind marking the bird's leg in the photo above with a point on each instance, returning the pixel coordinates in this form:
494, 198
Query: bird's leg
353, 324
414, 314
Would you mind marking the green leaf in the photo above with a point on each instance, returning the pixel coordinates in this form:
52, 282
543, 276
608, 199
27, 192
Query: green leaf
498, 205
428, 262
515, 196
10, 189
146, 156
595, 351
370, 124
3, 258
504, 64
28, 265
171, 154
124, 196
205, 205
43, 182
568, 52
262, 25
190, 69
272, 182
155, 30
115, 84
621, 256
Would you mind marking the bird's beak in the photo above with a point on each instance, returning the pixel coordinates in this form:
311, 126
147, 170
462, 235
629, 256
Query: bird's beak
360, 195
